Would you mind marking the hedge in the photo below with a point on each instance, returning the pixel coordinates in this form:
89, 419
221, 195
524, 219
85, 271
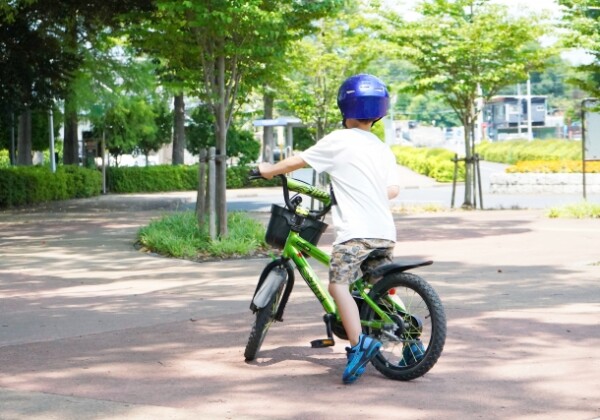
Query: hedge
162, 178
513, 151
435, 163
23, 185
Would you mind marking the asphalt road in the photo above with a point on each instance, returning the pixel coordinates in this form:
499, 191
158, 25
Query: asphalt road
92, 328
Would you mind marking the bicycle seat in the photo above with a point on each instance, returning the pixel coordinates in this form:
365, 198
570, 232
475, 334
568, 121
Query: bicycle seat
378, 253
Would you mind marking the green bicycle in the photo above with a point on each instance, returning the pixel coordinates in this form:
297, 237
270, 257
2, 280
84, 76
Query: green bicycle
398, 308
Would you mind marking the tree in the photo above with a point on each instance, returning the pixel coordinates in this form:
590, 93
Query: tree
432, 110
83, 26
343, 46
241, 144
163, 119
582, 17
232, 42
466, 49
34, 68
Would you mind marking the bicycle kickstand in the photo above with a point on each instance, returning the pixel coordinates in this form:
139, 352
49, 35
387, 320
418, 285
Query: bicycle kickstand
329, 341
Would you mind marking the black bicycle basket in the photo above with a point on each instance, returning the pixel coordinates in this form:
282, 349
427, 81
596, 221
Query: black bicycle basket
279, 227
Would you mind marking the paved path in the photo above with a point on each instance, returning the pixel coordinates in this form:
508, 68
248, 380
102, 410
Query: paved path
93, 329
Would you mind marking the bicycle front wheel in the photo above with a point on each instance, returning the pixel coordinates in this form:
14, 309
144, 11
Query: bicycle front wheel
415, 344
264, 317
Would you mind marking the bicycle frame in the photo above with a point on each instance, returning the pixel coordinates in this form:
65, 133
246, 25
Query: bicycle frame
297, 247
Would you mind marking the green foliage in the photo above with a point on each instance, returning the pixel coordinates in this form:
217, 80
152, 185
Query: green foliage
513, 151
178, 235
431, 108
130, 123
584, 210
455, 47
320, 63
435, 163
379, 130
152, 178
34, 63
172, 178
157, 129
29, 185
241, 144
303, 138
4, 158
581, 18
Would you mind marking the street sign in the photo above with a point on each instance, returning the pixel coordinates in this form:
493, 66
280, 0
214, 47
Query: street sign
591, 129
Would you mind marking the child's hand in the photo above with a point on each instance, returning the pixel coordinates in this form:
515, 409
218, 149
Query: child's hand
264, 169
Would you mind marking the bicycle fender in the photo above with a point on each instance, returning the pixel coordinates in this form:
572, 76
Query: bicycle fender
386, 269
274, 281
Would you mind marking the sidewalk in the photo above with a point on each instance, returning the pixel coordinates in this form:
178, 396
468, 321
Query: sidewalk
93, 329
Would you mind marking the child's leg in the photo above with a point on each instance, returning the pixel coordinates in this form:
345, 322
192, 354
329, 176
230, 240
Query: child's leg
344, 268
348, 311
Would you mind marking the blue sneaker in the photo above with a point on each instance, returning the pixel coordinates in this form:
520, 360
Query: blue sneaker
358, 357
412, 353
350, 354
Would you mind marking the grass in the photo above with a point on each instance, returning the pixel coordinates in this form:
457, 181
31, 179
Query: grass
418, 208
582, 210
177, 235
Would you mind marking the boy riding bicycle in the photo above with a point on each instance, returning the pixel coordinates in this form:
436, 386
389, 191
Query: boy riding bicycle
364, 178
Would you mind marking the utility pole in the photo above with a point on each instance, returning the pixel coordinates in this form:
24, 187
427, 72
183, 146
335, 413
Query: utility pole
519, 109
529, 110
51, 124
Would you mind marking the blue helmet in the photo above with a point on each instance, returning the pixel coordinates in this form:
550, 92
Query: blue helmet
363, 97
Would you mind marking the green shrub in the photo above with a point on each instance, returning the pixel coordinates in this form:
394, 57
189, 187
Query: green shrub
162, 178
178, 235
584, 210
23, 185
513, 151
436, 163
4, 158
151, 178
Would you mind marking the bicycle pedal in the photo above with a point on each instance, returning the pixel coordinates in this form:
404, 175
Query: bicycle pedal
324, 342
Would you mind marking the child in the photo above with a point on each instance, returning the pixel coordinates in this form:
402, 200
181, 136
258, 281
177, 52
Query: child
364, 177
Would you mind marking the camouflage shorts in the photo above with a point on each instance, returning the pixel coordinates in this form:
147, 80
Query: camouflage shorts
347, 258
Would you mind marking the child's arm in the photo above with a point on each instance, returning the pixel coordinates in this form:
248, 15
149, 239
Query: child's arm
268, 170
393, 191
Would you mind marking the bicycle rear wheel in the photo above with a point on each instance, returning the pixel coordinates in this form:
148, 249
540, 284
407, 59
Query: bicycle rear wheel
264, 317
416, 344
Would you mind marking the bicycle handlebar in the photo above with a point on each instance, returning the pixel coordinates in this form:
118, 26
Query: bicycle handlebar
299, 187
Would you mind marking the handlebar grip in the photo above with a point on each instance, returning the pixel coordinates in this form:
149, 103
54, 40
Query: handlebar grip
254, 174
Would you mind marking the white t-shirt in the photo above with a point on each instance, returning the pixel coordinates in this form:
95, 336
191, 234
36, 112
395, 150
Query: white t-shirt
361, 168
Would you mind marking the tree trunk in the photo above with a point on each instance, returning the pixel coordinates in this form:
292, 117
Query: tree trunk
221, 170
24, 139
201, 193
179, 131
469, 166
268, 144
71, 140
221, 138
13, 146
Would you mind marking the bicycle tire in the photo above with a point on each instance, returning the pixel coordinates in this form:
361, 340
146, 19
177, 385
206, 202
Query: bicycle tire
423, 322
262, 322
